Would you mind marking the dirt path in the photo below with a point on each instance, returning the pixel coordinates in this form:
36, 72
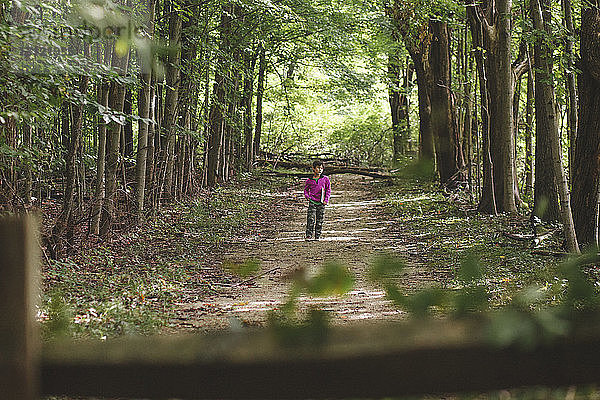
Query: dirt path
353, 230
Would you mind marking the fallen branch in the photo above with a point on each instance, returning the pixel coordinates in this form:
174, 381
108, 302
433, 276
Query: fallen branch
537, 241
333, 164
256, 277
333, 171
517, 236
550, 253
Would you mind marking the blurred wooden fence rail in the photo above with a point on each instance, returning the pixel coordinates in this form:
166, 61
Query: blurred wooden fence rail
374, 362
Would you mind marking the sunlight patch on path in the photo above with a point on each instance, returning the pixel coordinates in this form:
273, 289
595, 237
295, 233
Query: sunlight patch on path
322, 239
355, 204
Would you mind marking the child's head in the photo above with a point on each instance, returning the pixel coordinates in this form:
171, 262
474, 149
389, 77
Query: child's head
317, 166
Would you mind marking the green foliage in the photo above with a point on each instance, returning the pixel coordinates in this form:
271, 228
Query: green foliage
57, 318
524, 321
468, 298
288, 324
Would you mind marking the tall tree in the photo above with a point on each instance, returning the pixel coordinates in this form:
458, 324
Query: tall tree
547, 120
545, 194
102, 93
570, 78
116, 101
172, 80
249, 65
449, 152
493, 20
64, 223
487, 199
586, 163
216, 119
415, 35
260, 90
145, 76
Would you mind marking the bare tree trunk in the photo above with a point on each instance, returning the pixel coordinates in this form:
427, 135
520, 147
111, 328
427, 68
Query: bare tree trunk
27, 138
570, 77
426, 141
586, 163
144, 114
250, 63
127, 148
468, 119
528, 136
171, 99
64, 222
262, 66
102, 90
394, 93
443, 121
233, 124
494, 23
547, 121
216, 117
487, 199
205, 119
116, 100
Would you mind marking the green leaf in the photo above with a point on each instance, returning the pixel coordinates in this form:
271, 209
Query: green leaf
470, 269
471, 299
334, 279
384, 266
420, 303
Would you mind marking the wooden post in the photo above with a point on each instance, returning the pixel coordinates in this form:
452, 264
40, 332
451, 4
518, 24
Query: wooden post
18, 288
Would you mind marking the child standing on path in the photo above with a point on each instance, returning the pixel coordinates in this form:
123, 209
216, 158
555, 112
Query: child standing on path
317, 190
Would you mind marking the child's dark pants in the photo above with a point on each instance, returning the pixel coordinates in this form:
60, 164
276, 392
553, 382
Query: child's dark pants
314, 219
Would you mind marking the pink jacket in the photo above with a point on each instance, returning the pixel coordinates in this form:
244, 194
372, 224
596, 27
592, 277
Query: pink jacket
318, 190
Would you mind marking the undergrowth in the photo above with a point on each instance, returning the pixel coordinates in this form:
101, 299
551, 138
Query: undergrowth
130, 283
444, 228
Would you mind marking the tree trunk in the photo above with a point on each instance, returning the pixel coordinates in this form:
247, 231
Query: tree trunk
233, 124
262, 66
570, 77
64, 222
495, 26
189, 102
529, 136
448, 147
501, 116
249, 64
426, 143
127, 149
151, 158
171, 100
144, 114
27, 138
545, 205
216, 115
116, 100
487, 199
547, 122
395, 90
468, 120
586, 163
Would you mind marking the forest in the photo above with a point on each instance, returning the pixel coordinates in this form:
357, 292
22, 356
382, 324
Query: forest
163, 147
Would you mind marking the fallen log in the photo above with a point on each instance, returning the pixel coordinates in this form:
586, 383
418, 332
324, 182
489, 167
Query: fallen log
333, 171
308, 166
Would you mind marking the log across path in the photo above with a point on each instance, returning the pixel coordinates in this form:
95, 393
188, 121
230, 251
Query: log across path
355, 229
